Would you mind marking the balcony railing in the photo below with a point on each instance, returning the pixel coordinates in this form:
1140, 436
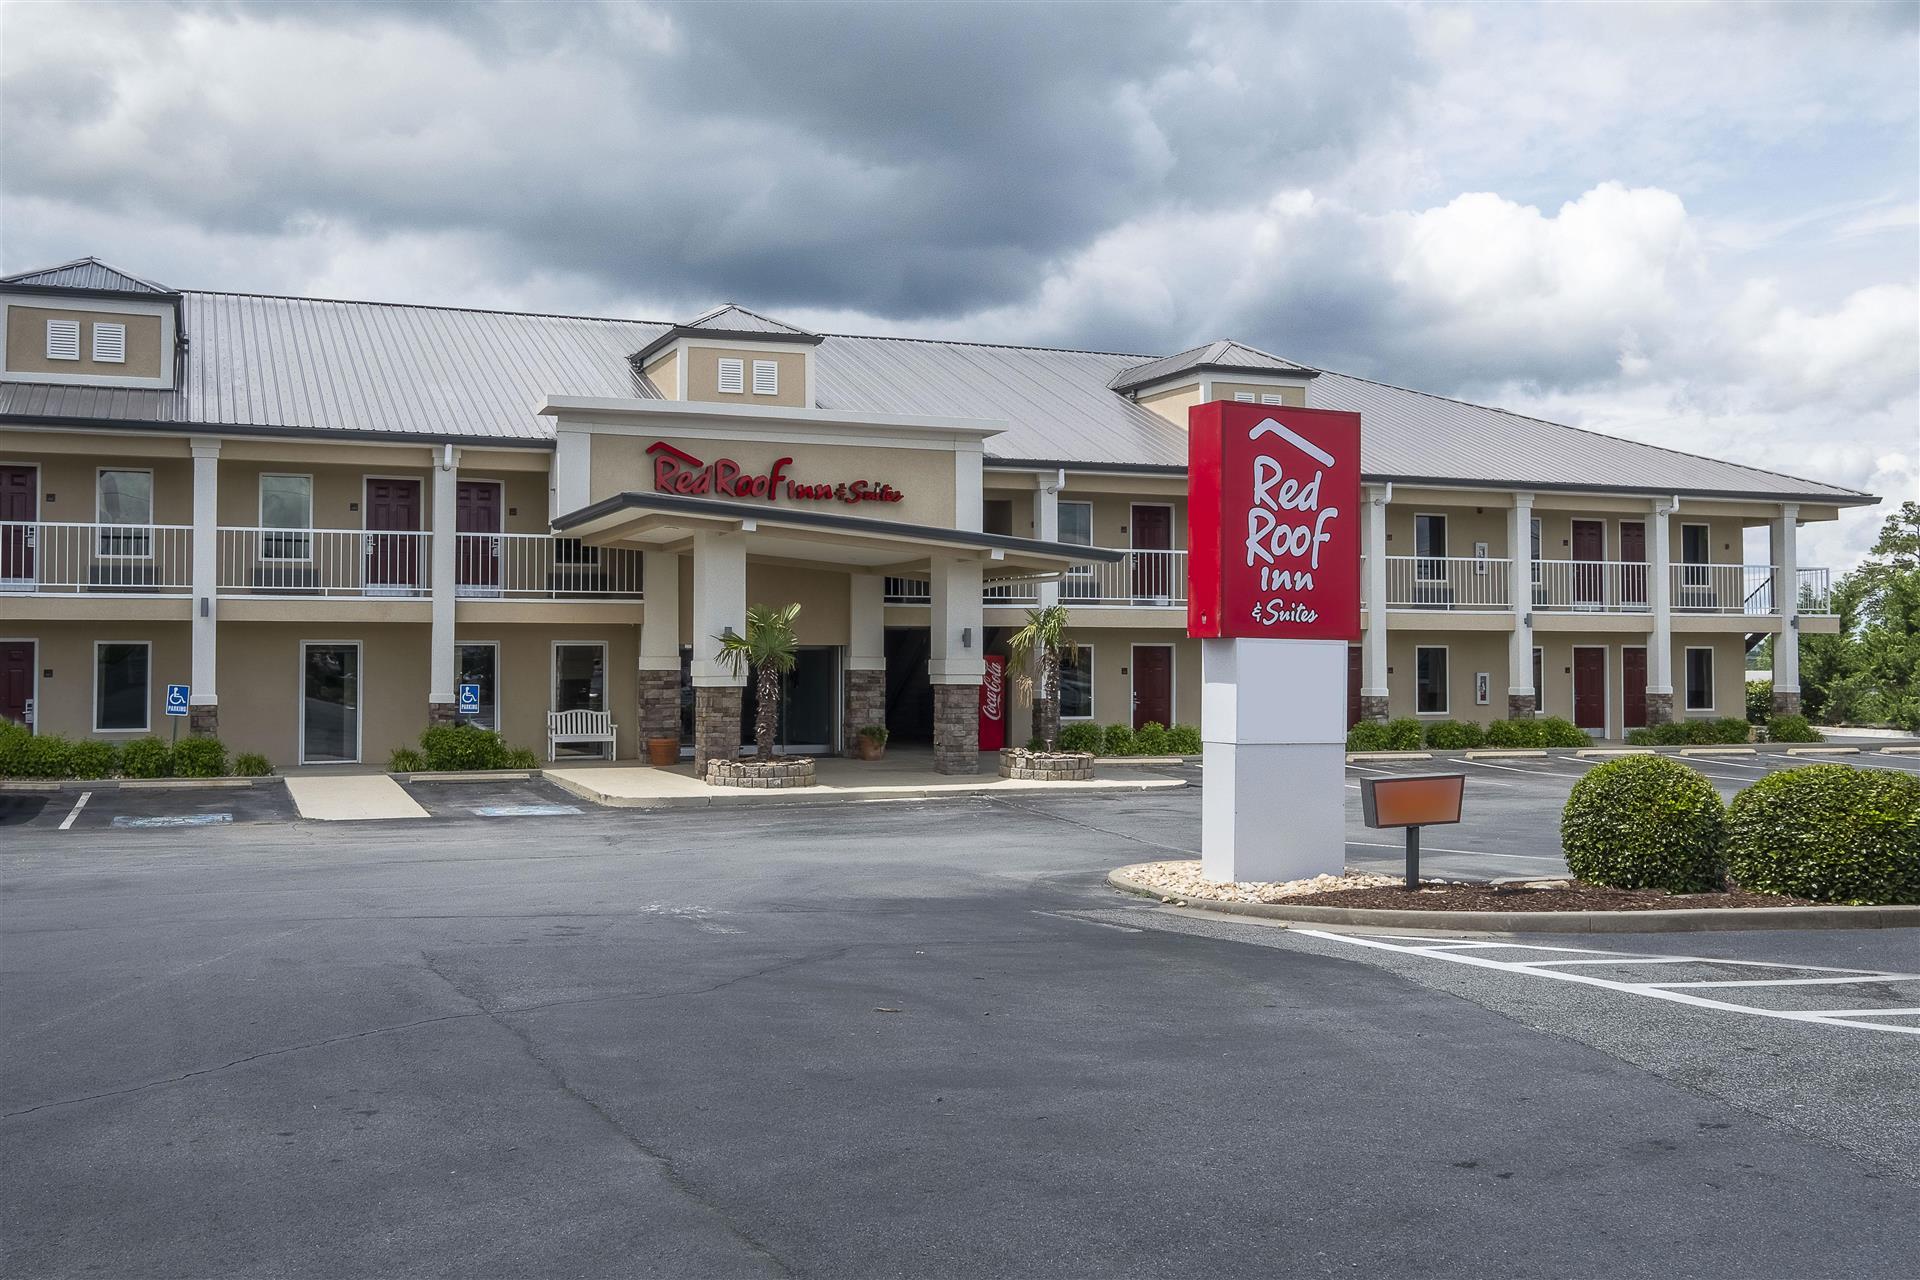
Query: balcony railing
1744, 589
1446, 582
1591, 586
534, 566
1143, 579
325, 562
49, 558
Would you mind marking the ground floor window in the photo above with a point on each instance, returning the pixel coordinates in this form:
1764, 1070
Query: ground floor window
329, 702
1539, 678
1076, 685
121, 692
479, 663
1699, 679
1430, 680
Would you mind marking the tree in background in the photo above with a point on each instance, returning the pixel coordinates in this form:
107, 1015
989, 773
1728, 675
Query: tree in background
1870, 671
769, 651
1044, 641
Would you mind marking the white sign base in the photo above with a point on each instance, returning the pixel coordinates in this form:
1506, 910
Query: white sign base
1274, 729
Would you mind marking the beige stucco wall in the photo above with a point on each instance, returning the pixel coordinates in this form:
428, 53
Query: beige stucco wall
65, 699
1466, 525
336, 492
1172, 403
664, 373
703, 376
1113, 667
1467, 652
822, 594
69, 483
1296, 396
27, 343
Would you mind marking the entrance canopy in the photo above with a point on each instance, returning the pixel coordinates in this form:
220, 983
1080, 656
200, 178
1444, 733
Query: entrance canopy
669, 522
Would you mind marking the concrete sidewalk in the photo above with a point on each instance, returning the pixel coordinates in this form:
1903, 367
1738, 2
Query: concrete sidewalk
910, 777
351, 797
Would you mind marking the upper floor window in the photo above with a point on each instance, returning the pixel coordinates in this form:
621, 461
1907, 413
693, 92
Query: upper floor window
733, 376
286, 502
124, 498
109, 343
766, 378
63, 339
1430, 545
1076, 523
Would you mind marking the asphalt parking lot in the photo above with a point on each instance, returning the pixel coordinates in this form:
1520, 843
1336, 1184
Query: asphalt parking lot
878, 1040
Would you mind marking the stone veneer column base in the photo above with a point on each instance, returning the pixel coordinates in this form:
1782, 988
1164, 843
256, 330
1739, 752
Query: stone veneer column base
658, 711
442, 713
866, 704
1786, 703
1520, 706
716, 724
203, 722
1373, 706
956, 728
1659, 708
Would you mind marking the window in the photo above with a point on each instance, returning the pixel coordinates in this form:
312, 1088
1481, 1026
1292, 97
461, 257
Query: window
766, 378
125, 498
580, 684
1076, 529
1266, 399
63, 339
1243, 397
120, 688
109, 343
1699, 679
1539, 682
1076, 685
286, 502
1430, 546
480, 664
996, 516
733, 376
1430, 680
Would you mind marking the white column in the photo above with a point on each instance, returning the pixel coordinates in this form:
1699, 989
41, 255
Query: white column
1520, 599
1784, 540
1046, 524
1660, 599
955, 619
719, 603
440, 669
1373, 657
1273, 719
206, 562
867, 622
660, 620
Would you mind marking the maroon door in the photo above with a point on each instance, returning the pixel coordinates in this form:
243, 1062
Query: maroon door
1589, 548
393, 506
16, 679
477, 511
1633, 556
1633, 688
1152, 531
1152, 684
19, 486
1590, 687
1353, 685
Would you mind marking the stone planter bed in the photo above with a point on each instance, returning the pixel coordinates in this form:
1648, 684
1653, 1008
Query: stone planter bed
761, 774
1044, 766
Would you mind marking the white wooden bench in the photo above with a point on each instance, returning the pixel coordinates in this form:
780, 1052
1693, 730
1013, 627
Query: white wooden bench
579, 726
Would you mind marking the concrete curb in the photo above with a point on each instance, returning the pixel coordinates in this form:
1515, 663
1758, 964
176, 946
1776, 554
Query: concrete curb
1698, 920
1900, 751
823, 796
1823, 751
468, 775
1388, 755
1718, 751
134, 784
1589, 753
1505, 753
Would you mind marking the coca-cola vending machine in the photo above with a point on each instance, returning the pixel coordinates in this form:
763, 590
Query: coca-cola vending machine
993, 705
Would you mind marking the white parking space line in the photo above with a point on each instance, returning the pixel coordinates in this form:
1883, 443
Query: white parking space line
67, 822
1789, 982
1671, 992
1431, 848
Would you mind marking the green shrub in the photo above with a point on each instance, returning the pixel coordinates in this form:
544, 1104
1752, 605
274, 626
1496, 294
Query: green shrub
458, 747
1557, 731
1729, 729
1828, 832
1403, 734
1645, 822
522, 758
1759, 701
1515, 734
1117, 741
877, 733
1150, 739
146, 758
1081, 736
1035, 743
13, 747
251, 764
46, 756
406, 760
200, 758
1792, 729
90, 759
1368, 735
1454, 735
1184, 740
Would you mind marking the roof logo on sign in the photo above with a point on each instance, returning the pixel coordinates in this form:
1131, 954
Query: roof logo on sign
1268, 427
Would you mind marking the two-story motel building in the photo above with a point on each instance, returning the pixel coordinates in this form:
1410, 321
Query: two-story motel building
325, 517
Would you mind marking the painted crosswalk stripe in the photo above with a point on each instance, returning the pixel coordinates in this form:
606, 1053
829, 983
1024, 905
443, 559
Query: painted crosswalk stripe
176, 820
67, 822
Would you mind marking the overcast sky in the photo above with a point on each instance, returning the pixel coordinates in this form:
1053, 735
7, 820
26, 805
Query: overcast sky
1692, 226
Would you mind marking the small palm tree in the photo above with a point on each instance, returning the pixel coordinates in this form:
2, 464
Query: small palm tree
767, 650
1045, 640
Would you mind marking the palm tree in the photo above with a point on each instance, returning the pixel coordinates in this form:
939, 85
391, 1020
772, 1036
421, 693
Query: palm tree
1045, 639
768, 650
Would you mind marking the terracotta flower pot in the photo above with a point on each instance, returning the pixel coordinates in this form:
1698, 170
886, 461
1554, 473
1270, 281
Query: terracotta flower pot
662, 752
870, 749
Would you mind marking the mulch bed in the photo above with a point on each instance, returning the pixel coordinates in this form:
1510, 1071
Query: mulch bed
1491, 897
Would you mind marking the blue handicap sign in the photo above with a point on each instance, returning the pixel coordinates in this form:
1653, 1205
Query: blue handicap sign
469, 700
177, 699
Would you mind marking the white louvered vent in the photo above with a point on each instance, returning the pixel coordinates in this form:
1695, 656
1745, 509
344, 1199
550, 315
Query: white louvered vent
1243, 397
63, 339
1270, 400
766, 378
109, 343
733, 376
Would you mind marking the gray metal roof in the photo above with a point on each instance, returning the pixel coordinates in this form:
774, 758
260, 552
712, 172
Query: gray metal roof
86, 275
731, 317
1223, 354
437, 373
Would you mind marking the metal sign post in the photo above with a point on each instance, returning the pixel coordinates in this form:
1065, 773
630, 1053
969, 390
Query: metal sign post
178, 695
1412, 802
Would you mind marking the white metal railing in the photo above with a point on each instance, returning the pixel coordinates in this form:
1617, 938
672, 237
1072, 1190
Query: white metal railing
47, 557
1142, 579
1592, 586
1446, 582
1816, 591
324, 562
1743, 589
535, 566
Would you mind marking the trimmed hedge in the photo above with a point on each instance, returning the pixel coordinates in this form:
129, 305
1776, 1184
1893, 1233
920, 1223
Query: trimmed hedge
1150, 739
1539, 731
1454, 735
251, 764
1692, 733
25, 754
1403, 734
1081, 736
1645, 822
1118, 740
146, 758
199, 758
1184, 740
1829, 832
457, 748
1558, 731
1792, 729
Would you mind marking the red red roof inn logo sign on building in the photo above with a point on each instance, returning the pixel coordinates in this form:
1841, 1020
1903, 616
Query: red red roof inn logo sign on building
677, 471
1273, 537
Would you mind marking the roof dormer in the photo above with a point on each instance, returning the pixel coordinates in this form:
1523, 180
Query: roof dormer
731, 355
85, 323
1222, 370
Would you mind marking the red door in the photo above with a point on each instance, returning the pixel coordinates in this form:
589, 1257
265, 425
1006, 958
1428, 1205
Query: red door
1353, 685
1153, 531
1590, 687
1152, 684
1633, 687
16, 680
1633, 557
393, 506
19, 487
1589, 575
477, 511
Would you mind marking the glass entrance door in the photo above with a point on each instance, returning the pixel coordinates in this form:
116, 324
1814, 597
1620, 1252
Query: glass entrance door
580, 684
809, 718
329, 703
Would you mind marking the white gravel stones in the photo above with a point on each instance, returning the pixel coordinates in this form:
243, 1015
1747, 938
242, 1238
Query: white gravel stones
1174, 880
